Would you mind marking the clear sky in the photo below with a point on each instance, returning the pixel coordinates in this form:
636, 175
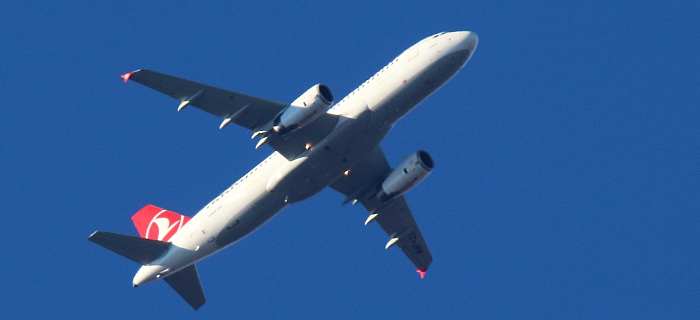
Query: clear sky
566, 182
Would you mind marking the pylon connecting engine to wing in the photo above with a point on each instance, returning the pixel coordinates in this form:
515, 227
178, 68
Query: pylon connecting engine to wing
407, 175
415, 167
305, 109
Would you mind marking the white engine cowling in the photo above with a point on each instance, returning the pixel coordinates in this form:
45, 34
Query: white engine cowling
305, 109
407, 175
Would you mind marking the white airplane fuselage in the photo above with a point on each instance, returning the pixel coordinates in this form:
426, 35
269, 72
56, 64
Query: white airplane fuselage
366, 116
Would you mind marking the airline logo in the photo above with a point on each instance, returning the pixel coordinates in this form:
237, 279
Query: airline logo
158, 224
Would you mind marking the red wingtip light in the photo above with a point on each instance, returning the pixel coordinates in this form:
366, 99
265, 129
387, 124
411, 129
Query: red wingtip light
126, 76
421, 272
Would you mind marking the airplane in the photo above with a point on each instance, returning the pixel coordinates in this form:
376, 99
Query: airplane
315, 146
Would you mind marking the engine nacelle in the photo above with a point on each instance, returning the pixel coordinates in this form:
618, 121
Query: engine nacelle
407, 175
305, 109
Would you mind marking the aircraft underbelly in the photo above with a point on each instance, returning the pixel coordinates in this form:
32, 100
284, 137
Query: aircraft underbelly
327, 161
240, 224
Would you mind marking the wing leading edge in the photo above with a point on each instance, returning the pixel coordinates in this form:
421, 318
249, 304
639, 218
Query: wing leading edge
394, 216
245, 110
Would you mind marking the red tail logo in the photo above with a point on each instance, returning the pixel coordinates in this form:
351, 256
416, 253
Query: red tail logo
158, 224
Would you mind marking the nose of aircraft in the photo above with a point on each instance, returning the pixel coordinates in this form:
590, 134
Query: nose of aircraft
468, 40
463, 44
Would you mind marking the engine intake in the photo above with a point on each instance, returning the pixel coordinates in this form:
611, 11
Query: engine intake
407, 175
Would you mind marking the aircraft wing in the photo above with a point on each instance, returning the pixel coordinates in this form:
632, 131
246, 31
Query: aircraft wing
247, 111
393, 216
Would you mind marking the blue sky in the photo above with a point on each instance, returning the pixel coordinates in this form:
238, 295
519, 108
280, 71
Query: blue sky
567, 151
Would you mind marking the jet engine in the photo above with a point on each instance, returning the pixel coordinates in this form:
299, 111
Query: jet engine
304, 109
407, 175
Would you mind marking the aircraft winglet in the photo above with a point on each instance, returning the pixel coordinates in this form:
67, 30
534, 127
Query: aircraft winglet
421, 272
126, 76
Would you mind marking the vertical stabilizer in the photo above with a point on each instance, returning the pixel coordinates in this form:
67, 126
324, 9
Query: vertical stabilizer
158, 224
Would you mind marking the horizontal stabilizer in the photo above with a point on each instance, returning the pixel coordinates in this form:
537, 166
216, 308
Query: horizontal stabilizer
186, 283
142, 251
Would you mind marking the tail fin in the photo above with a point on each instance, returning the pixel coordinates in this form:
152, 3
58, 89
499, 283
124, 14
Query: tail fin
158, 224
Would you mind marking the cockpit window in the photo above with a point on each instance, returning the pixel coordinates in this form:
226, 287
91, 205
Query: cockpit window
439, 34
